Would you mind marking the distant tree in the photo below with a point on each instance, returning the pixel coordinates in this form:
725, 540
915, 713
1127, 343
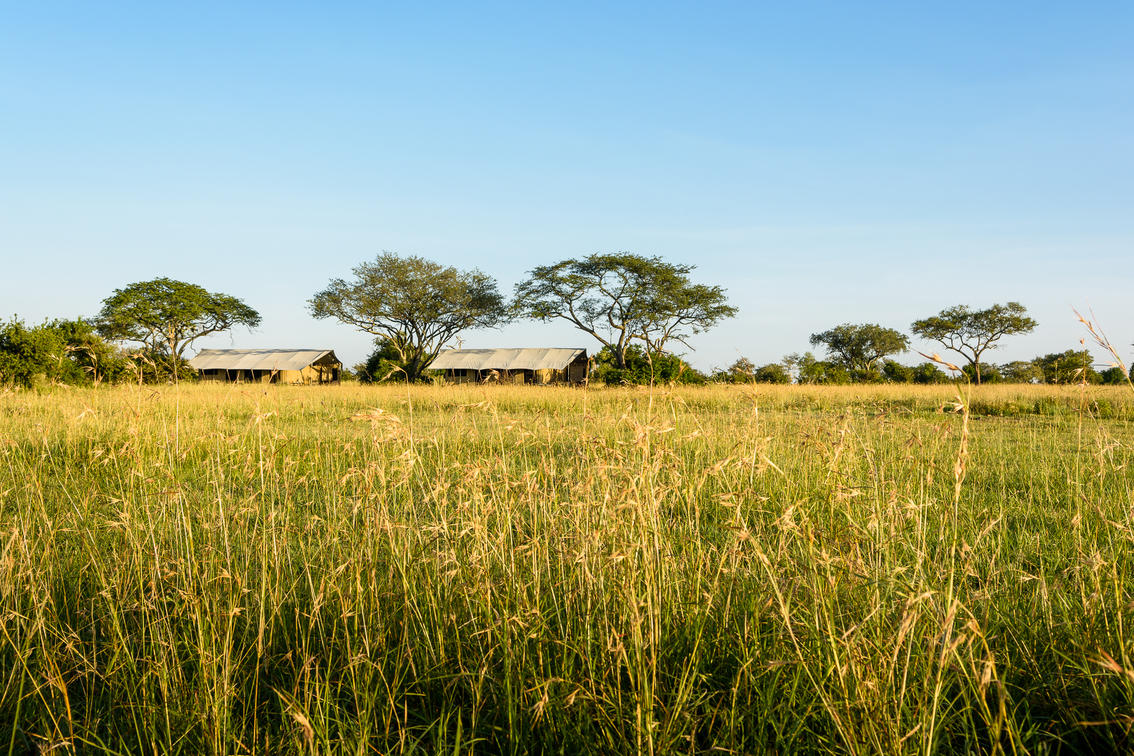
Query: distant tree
622, 298
1022, 371
896, 372
989, 373
869, 375
773, 372
1113, 376
858, 347
743, 368
970, 333
927, 373
1071, 366
413, 305
740, 371
812, 370
795, 362
166, 316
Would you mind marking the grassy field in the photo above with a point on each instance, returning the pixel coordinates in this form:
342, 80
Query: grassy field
541, 570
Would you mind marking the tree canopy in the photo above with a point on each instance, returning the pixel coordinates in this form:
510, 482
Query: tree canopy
622, 298
414, 305
1071, 366
970, 333
64, 351
858, 347
28, 354
166, 316
640, 369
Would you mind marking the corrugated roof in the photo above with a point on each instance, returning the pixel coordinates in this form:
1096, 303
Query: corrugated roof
258, 359
506, 359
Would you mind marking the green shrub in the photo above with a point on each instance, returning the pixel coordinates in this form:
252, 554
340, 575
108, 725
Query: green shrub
665, 368
383, 364
896, 372
1022, 371
773, 372
29, 356
988, 374
927, 373
1071, 366
822, 372
1113, 376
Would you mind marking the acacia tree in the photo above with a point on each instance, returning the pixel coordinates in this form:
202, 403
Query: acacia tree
166, 316
970, 333
621, 298
859, 347
413, 305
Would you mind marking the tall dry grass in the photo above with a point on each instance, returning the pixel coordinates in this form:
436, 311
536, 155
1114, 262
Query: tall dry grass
488, 569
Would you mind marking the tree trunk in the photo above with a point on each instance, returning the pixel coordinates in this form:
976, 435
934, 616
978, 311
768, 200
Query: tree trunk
174, 360
414, 369
976, 367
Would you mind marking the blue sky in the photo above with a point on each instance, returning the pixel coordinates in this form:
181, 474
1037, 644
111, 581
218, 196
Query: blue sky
826, 163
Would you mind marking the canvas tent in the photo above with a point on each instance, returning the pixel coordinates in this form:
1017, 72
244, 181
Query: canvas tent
539, 366
267, 365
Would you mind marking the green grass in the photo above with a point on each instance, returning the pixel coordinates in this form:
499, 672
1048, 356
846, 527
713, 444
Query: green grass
543, 570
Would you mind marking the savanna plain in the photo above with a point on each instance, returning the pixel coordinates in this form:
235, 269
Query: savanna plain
730, 569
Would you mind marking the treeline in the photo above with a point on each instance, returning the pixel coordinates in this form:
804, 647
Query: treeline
640, 310
1071, 366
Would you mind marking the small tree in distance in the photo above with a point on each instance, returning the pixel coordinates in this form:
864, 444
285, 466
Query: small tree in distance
1071, 366
413, 305
1022, 371
745, 371
896, 372
742, 370
812, 370
773, 372
970, 333
859, 347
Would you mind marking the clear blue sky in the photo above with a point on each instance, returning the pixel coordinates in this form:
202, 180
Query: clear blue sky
824, 162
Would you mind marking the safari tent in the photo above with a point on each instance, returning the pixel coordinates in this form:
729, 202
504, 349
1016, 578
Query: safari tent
295, 366
538, 366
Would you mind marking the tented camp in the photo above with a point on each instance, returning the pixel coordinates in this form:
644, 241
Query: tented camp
267, 365
540, 366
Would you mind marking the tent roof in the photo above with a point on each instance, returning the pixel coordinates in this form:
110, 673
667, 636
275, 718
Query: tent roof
506, 359
259, 359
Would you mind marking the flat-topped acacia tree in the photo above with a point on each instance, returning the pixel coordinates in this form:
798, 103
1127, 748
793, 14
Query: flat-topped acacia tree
166, 316
858, 347
413, 305
621, 298
970, 333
